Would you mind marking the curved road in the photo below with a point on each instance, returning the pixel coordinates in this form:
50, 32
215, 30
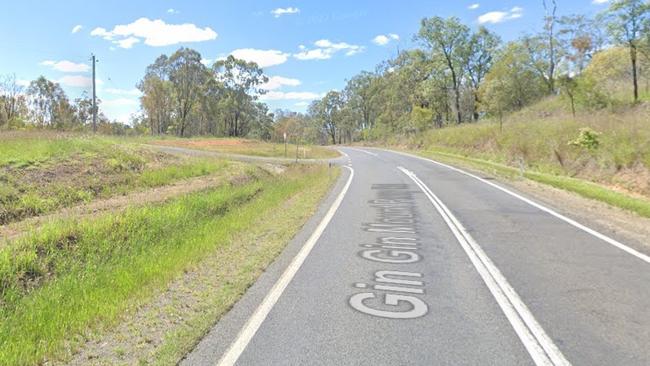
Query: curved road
409, 262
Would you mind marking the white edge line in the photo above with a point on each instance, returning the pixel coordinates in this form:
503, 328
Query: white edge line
570, 221
538, 344
257, 318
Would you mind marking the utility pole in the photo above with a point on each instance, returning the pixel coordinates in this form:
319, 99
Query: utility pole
94, 96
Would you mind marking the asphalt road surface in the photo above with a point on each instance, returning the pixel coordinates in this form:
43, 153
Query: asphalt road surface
410, 262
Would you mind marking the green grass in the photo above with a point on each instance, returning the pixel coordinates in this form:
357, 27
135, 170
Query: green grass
584, 188
252, 259
42, 172
538, 139
241, 146
71, 277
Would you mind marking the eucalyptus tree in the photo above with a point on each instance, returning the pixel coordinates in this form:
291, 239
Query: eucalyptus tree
11, 98
627, 20
50, 106
157, 98
581, 37
328, 112
511, 83
483, 45
241, 81
359, 91
449, 39
187, 74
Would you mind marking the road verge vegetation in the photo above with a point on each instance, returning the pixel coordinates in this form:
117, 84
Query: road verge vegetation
43, 172
71, 278
249, 147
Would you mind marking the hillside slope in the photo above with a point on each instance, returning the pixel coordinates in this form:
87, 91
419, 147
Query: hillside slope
609, 147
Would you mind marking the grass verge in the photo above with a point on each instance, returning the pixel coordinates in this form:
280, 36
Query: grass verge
254, 250
249, 147
60, 170
583, 188
70, 278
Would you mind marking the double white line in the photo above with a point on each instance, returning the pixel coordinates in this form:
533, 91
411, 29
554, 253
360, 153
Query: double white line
538, 344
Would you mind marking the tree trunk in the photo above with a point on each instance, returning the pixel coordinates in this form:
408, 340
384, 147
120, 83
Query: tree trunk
475, 107
458, 115
635, 81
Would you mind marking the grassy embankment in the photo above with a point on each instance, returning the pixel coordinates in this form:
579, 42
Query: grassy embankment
72, 277
42, 172
536, 141
248, 147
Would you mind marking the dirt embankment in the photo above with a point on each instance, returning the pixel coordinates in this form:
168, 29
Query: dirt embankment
114, 204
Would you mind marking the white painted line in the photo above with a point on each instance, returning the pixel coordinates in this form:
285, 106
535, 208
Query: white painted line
255, 321
538, 344
363, 151
570, 221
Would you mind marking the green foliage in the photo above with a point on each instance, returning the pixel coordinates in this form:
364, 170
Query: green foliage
510, 84
587, 138
62, 170
74, 276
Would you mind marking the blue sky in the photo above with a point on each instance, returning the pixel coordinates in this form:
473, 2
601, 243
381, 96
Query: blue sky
307, 47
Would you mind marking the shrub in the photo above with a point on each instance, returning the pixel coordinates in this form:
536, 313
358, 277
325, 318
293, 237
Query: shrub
588, 139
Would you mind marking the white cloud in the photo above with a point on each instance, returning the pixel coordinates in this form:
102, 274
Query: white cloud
76, 28
276, 82
127, 42
316, 54
382, 40
282, 11
495, 17
66, 66
172, 11
116, 91
23, 82
207, 61
155, 33
326, 49
599, 2
474, 6
263, 58
278, 95
301, 104
78, 81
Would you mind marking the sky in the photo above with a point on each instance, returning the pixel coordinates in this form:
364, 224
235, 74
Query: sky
306, 48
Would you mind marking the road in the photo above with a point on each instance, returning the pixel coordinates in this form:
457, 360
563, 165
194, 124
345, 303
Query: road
410, 262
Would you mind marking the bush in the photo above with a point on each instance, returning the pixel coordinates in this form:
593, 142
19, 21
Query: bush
588, 139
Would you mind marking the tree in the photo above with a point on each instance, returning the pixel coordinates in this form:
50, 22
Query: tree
511, 83
242, 81
544, 48
49, 104
327, 111
482, 47
359, 91
11, 98
569, 87
157, 96
449, 39
83, 107
626, 20
581, 37
186, 74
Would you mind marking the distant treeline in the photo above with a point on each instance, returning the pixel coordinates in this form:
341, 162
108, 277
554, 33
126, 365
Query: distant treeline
460, 76
457, 75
